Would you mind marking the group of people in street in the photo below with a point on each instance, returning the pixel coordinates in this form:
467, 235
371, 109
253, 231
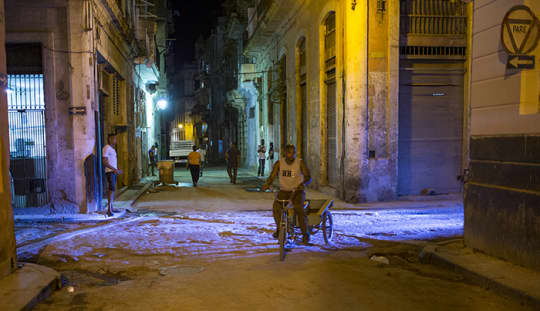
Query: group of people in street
291, 171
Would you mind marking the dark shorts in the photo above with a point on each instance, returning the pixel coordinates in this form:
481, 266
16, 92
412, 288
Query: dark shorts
111, 181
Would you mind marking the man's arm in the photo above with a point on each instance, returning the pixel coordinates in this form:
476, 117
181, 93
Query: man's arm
305, 172
109, 166
272, 176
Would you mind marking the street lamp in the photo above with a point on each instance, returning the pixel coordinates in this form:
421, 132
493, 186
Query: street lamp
180, 125
162, 104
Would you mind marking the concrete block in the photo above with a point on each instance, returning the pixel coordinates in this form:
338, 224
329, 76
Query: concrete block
27, 286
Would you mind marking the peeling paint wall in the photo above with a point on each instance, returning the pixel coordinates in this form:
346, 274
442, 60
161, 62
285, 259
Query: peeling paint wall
68, 60
383, 56
47, 24
8, 260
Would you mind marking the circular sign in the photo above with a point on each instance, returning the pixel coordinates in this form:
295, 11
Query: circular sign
520, 30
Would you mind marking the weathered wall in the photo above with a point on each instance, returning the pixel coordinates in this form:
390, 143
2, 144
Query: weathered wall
7, 236
380, 182
502, 197
46, 23
358, 178
111, 45
82, 84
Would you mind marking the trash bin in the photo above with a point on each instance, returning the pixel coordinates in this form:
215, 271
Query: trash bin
166, 172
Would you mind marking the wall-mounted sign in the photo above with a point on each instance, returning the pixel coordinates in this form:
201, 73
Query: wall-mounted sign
77, 110
520, 33
520, 62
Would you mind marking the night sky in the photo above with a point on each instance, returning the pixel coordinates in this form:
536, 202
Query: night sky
193, 18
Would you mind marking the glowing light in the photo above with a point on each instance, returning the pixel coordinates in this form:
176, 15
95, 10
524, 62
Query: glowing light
162, 104
180, 125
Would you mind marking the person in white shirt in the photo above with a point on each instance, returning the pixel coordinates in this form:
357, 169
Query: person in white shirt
262, 158
202, 152
110, 162
293, 176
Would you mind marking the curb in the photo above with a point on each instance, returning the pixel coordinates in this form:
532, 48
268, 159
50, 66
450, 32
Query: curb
28, 286
141, 193
430, 255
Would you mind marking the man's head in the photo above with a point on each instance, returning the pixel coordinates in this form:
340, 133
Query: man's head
262, 141
111, 139
194, 148
290, 153
233, 145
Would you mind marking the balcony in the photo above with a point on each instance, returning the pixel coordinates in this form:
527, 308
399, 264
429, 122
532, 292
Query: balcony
442, 24
263, 22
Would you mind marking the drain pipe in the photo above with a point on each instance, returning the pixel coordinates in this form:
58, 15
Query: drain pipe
97, 118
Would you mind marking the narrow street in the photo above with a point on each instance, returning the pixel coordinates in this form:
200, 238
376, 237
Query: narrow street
211, 248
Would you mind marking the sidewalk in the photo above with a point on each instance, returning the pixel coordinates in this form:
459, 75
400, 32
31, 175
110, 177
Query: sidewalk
411, 202
498, 275
125, 198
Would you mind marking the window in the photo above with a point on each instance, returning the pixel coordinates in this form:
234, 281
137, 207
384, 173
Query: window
330, 42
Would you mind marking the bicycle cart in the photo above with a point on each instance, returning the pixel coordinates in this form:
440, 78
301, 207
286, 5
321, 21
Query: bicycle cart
319, 219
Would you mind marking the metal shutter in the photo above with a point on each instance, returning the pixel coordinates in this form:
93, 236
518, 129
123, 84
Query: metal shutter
430, 130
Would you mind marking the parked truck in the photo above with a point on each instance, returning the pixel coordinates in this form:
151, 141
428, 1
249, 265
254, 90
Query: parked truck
180, 149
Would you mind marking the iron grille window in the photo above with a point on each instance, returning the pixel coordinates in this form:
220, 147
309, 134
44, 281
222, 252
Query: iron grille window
330, 41
433, 50
27, 140
433, 17
116, 96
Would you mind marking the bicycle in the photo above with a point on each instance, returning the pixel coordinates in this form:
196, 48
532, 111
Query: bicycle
287, 224
319, 217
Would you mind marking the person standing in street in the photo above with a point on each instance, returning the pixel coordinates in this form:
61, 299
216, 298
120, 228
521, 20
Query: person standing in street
271, 153
262, 157
233, 161
202, 151
194, 165
110, 162
152, 158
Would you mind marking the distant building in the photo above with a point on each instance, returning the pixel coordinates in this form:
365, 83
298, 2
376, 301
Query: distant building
213, 56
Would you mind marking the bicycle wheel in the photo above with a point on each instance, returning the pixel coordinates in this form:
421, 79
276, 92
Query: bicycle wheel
282, 236
327, 226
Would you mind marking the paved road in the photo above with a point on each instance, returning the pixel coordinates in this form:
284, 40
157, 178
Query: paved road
210, 248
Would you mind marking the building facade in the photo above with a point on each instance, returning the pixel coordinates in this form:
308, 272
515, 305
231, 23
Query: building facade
502, 195
370, 92
211, 91
78, 71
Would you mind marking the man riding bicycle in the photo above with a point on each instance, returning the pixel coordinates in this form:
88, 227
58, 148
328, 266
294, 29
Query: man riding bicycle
293, 176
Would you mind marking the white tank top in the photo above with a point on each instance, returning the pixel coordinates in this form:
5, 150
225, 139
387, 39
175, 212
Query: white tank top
290, 175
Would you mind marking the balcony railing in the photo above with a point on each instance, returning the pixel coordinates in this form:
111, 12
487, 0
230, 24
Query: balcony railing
257, 15
433, 17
